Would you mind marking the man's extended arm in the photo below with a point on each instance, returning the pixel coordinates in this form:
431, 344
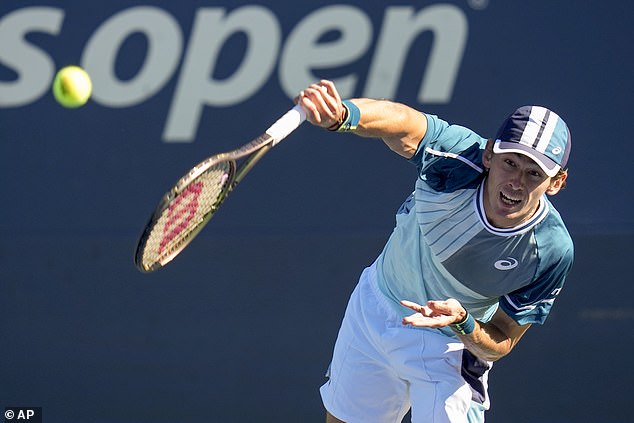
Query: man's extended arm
489, 341
400, 126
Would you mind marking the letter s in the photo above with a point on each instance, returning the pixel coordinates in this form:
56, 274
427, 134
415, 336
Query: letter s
34, 67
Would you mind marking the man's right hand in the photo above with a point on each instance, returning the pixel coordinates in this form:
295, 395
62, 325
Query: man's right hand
322, 104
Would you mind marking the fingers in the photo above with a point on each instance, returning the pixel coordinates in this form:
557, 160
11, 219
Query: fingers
331, 90
412, 305
434, 313
325, 105
440, 307
420, 320
312, 114
424, 310
322, 103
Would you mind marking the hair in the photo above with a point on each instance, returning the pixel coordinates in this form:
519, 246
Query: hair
559, 175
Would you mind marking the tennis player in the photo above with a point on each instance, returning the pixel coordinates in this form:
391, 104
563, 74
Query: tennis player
477, 256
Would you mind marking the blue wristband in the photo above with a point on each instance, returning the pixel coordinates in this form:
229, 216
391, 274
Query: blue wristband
466, 326
353, 116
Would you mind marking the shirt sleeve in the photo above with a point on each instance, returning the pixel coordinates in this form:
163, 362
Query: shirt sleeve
449, 157
435, 128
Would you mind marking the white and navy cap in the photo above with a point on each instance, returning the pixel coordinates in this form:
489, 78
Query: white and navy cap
538, 133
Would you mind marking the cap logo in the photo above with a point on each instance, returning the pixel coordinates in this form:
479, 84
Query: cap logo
556, 150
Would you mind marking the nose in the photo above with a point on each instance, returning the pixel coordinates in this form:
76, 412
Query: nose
517, 180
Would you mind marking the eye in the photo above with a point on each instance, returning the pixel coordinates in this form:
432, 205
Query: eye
510, 163
536, 174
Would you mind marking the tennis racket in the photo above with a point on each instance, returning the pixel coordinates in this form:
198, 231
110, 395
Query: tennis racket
186, 208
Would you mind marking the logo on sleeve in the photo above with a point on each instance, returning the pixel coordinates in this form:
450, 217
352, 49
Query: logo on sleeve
506, 264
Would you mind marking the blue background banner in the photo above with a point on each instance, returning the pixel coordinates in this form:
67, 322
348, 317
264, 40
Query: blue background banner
240, 327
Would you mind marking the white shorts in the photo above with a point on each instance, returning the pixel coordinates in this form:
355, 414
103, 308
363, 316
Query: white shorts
381, 368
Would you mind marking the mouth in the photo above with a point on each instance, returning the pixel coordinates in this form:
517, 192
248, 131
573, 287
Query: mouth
509, 200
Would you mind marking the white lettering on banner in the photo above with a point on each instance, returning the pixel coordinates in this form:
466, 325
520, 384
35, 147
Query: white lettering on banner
299, 57
34, 67
195, 89
302, 51
400, 28
165, 43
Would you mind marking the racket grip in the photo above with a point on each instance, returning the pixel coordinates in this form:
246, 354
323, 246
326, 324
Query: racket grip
286, 124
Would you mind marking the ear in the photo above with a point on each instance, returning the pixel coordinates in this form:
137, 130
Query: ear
557, 183
487, 154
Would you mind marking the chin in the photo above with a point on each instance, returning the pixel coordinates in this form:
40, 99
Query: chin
507, 219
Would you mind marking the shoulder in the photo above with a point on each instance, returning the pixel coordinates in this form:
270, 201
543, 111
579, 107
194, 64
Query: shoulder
449, 137
450, 156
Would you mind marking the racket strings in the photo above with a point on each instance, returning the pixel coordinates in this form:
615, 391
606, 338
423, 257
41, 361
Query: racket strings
186, 214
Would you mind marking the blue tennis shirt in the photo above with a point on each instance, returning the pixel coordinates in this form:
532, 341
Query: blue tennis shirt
443, 246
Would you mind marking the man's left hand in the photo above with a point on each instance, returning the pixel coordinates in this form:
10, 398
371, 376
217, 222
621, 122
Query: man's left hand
434, 314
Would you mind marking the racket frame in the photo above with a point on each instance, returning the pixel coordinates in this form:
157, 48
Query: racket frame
255, 150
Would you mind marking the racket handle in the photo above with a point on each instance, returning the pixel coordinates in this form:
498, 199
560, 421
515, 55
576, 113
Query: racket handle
286, 124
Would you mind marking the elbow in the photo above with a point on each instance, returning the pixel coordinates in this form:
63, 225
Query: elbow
490, 355
490, 351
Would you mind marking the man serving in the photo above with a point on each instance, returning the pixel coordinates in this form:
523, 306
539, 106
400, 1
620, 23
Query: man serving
477, 256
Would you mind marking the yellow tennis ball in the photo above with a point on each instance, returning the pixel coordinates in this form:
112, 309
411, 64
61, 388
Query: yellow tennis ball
72, 87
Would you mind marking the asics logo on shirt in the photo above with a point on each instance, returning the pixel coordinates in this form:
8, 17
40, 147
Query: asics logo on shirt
506, 264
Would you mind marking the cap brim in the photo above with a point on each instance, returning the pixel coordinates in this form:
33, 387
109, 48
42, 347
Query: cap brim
545, 163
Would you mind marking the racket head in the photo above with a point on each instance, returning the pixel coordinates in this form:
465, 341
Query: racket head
183, 212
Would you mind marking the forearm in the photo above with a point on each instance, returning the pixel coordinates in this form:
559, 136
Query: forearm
400, 126
488, 342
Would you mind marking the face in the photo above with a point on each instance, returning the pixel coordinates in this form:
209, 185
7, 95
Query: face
513, 187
